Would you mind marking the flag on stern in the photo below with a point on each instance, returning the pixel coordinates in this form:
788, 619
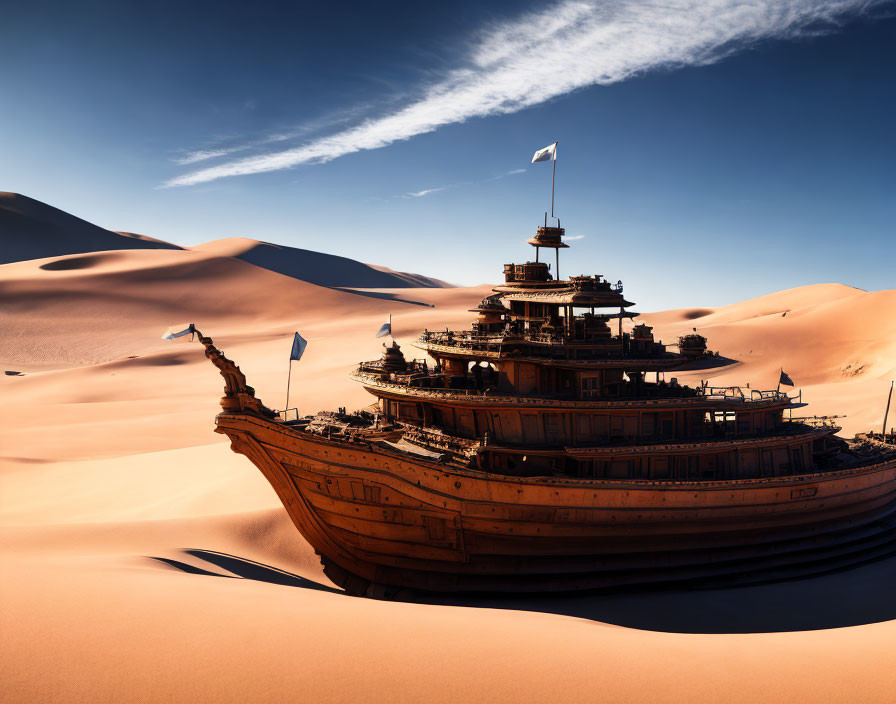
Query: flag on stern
386, 329
299, 344
785, 379
177, 331
546, 154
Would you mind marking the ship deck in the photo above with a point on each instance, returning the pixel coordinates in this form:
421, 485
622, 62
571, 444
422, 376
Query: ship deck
423, 383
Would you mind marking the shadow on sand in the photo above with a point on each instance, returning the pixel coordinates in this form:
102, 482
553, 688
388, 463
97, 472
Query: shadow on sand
241, 568
382, 295
850, 597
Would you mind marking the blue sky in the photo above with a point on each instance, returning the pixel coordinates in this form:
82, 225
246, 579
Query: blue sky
709, 151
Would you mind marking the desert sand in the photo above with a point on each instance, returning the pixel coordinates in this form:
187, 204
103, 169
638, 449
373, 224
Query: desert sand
144, 561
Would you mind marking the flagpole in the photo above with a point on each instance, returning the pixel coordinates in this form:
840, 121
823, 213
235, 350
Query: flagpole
778, 390
553, 174
883, 431
288, 379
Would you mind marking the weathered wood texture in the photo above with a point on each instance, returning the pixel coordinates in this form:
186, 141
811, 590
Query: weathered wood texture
380, 518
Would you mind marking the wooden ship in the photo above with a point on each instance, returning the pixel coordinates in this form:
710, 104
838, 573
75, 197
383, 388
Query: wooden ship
533, 452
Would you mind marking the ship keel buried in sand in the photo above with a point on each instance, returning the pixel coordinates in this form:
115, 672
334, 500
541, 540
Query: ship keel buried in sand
534, 453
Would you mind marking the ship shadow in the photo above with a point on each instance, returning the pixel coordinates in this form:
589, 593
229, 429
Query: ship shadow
242, 568
853, 596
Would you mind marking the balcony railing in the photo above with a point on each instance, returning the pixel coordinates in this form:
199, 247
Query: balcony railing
552, 345
736, 392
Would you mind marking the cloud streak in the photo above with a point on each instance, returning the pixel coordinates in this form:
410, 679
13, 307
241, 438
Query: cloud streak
572, 45
204, 155
424, 192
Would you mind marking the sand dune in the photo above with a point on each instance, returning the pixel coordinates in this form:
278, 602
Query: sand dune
30, 229
145, 561
837, 343
316, 267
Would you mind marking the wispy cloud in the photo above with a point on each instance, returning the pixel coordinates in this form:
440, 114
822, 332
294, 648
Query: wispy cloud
571, 45
574, 237
427, 191
204, 154
424, 192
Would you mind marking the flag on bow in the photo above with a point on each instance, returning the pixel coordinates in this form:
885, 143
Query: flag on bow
546, 154
299, 344
176, 331
785, 379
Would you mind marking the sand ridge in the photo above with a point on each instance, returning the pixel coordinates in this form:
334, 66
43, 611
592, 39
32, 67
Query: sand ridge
316, 267
30, 229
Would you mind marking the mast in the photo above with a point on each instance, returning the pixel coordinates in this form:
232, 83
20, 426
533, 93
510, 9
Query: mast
883, 430
553, 175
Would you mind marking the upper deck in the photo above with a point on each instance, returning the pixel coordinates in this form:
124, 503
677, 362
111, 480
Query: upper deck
422, 382
556, 346
581, 292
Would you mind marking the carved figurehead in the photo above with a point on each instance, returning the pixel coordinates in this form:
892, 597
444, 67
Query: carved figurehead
238, 397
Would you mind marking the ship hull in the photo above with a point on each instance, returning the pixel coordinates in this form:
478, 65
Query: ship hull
383, 521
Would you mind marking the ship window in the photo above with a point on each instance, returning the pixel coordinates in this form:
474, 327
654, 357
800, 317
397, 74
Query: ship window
409, 410
496, 424
530, 428
667, 427
708, 466
465, 423
553, 428
648, 424
615, 426
590, 387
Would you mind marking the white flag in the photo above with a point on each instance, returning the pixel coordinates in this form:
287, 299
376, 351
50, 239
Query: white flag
386, 329
546, 154
176, 331
299, 344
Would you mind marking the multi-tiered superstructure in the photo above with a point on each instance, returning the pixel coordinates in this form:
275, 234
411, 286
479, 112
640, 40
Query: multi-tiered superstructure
548, 447
551, 384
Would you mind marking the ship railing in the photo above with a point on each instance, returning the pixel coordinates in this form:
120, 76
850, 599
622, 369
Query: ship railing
465, 340
887, 439
495, 395
417, 376
428, 437
731, 393
816, 421
289, 415
758, 395
728, 392
412, 368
